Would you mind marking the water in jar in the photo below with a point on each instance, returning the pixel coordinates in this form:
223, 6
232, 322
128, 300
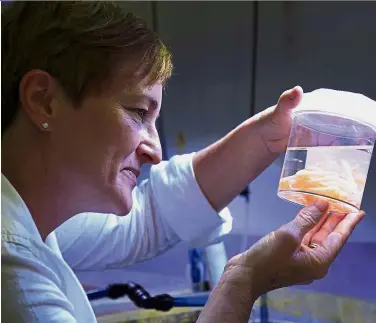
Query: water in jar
328, 158
335, 173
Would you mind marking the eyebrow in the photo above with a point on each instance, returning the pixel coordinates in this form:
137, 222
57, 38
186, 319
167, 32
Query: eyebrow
153, 104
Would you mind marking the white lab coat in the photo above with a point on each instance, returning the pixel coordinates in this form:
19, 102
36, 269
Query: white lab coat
38, 283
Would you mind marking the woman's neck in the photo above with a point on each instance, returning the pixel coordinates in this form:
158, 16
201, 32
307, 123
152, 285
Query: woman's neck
25, 165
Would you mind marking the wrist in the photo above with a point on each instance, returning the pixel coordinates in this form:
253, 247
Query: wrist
254, 129
232, 299
243, 280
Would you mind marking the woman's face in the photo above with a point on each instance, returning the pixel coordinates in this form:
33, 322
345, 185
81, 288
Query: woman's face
100, 146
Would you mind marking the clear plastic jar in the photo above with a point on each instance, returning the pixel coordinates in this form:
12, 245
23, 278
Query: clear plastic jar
329, 151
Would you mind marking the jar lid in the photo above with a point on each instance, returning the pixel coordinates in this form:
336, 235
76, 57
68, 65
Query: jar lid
350, 105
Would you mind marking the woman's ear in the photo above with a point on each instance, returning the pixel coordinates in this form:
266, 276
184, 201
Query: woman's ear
38, 91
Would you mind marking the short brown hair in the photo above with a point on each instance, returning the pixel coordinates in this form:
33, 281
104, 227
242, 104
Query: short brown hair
80, 43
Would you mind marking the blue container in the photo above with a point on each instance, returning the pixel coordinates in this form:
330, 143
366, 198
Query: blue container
198, 271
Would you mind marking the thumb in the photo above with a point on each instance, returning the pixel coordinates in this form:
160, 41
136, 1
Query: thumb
307, 218
305, 221
290, 99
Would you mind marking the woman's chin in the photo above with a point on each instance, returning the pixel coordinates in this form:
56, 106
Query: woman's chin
123, 204
113, 201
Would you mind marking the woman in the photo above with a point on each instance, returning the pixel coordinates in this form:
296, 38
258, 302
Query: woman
81, 92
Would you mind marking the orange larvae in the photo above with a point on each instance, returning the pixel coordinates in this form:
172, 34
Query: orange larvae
346, 188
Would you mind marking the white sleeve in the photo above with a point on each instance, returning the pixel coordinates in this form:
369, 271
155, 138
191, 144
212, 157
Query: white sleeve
30, 291
167, 208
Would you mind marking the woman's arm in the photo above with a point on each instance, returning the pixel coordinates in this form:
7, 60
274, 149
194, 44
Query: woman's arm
226, 167
232, 299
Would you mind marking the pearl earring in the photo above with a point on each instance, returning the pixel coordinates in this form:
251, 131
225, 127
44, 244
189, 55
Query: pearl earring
45, 125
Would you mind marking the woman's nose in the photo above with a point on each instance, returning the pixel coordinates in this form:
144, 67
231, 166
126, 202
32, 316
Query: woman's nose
150, 152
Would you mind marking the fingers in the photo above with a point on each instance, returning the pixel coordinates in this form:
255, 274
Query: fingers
336, 239
309, 217
290, 99
328, 227
305, 221
308, 237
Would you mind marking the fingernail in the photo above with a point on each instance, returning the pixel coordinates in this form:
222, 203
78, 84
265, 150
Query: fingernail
362, 213
294, 92
322, 205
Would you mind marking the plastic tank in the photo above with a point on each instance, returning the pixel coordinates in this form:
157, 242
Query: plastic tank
329, 151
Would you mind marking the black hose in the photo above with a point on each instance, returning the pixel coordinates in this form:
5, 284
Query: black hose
137, 294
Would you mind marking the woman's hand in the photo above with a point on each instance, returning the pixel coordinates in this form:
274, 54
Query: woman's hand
297, 253
275, 122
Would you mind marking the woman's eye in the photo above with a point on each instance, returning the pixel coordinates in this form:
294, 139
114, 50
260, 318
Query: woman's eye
141, 113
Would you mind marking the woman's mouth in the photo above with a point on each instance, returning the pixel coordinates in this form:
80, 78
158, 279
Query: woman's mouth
131, 173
